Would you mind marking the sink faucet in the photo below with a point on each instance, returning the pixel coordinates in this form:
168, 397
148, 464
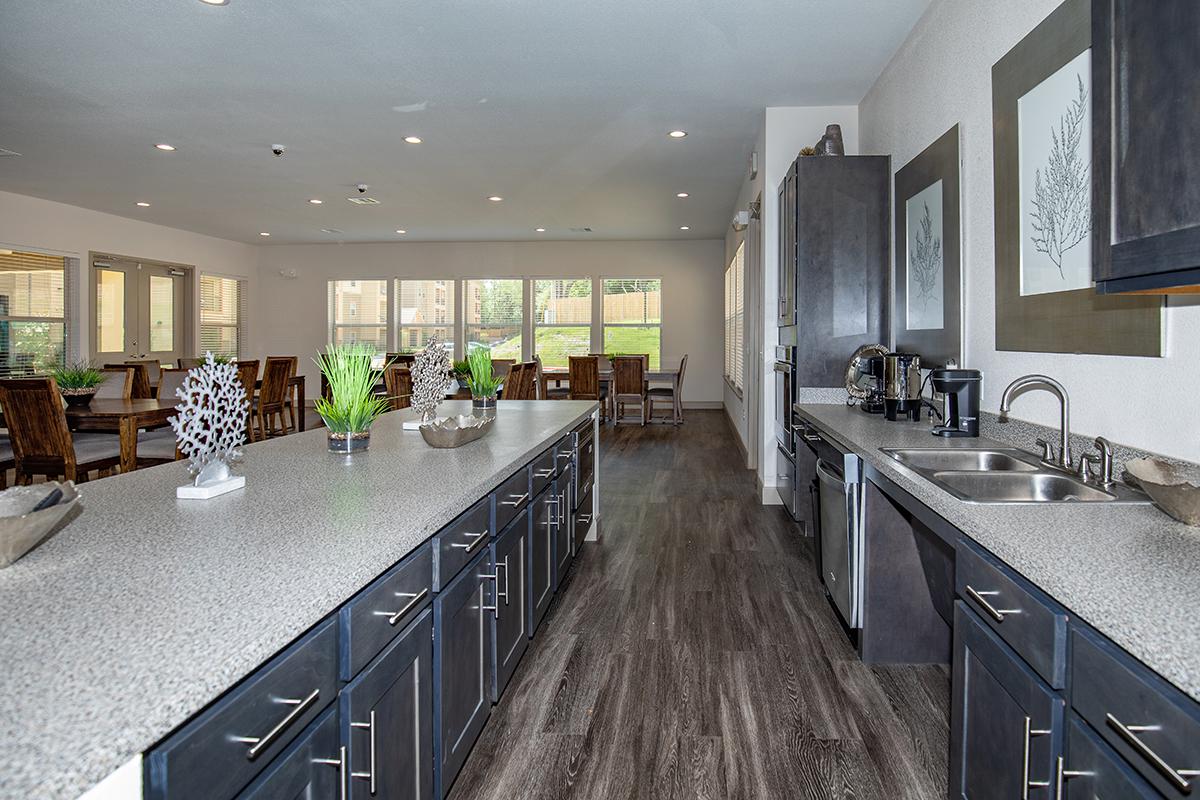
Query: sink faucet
1064, 460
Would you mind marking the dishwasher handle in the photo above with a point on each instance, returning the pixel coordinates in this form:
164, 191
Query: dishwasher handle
831, 475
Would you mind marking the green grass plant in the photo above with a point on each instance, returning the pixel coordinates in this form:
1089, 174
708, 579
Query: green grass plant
80, 375
352, 405
483, 382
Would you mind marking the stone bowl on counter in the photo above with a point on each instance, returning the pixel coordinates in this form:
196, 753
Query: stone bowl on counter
448, 432
1174, 489
22, 528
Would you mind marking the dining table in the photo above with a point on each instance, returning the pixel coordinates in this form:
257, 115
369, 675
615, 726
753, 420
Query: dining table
670, 375
123, 417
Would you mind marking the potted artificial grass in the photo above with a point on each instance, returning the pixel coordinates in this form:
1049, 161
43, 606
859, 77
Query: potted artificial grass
352, 406
77, 382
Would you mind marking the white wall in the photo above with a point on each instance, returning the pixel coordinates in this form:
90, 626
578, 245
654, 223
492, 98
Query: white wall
941, 76
29, 223
291, 318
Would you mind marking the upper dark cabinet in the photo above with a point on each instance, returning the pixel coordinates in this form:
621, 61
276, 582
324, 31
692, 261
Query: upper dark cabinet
1146, 145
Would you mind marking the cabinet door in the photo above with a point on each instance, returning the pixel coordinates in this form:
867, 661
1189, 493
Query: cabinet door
510, 621
1006, 724
806, 475
310, 768
564, 542
387, 720
462, 667
787, 250
1092, 771
1146, 143
541, 557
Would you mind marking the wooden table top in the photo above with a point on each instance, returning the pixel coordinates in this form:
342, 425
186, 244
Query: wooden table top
662, 373
113, 407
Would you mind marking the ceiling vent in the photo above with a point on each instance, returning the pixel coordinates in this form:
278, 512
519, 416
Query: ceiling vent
4, 153
363, 201
580, 230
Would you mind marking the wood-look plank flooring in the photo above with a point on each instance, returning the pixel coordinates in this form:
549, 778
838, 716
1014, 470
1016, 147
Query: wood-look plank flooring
692, 654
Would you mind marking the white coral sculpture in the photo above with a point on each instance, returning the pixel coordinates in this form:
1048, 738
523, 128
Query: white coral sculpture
211, 423
430, 377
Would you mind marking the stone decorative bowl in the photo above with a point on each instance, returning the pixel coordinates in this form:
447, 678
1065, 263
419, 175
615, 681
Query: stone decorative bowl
447, 432
23, 530
1174, 489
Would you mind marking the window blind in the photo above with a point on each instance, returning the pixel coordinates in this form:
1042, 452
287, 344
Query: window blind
222, 315
33, 321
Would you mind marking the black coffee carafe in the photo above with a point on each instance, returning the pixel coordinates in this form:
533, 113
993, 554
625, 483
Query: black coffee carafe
962, 388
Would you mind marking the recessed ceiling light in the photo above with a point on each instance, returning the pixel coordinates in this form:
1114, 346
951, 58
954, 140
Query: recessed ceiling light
681, 194
215, 2
170, 148
495, 198
684, 228
413, 139
401, 231
142, 204
263, 233
316, 202
539, 230
677, 134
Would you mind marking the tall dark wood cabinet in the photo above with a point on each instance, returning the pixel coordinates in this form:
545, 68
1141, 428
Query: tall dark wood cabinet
834, 251
1146, 145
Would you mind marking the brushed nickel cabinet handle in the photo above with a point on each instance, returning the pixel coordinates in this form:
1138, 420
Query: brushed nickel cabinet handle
339, 762
470, 546
585, 519
543, 473
997, 614
519, 498
409, 606
1129, 733
495, 576
1061, 775
258, 744
369, 775
1027, 784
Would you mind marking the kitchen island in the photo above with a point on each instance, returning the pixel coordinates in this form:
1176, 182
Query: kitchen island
146, 609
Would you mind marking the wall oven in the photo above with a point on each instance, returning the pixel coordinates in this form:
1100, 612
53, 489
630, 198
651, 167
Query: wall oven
785, 396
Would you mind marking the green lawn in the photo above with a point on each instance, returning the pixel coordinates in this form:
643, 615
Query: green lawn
555, 344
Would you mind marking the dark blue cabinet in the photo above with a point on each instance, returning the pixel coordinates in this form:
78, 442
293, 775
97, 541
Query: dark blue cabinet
510, 621
311, 767
564, 539
541, 556
462, 664
1006, 723
1092, 771
387, 720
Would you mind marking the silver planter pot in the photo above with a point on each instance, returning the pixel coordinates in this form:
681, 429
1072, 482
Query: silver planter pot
349, 442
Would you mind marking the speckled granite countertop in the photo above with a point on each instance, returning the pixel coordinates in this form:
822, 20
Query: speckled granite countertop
1129, 571
146, 608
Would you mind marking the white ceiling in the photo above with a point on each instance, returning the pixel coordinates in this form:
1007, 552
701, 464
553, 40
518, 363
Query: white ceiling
560, 106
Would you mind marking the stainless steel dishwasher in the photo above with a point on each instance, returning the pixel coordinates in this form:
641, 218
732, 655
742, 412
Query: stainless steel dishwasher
839, 478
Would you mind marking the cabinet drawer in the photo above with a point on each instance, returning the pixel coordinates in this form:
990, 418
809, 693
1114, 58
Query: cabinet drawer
1154, 726
512, 497
541, 472
1030, 622
1092, 770
564, 451
583, 518
460, 541
221, 750
382, 610
311, 767
585, 464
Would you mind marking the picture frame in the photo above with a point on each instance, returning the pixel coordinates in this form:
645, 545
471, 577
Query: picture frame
927, 289
1038, 319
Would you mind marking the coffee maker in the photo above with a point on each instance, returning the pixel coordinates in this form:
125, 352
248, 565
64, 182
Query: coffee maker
902, 386
872, 371
962, 388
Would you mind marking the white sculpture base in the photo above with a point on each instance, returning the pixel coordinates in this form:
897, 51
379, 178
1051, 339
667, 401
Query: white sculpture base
208, 490
412, 425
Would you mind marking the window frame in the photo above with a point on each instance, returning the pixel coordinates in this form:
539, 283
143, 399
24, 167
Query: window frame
398, 326
590, 325
239, 327
332, 325
525, 308
605, 324
64, 320
735, 315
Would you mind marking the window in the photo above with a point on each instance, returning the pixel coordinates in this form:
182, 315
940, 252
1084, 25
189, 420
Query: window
562, 319
633, 317
33, 327
424, 309
735, 318
222, 312
494, 315
358, 313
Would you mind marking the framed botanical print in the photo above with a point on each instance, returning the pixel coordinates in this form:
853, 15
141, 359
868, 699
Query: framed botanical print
1042, 160
928, 284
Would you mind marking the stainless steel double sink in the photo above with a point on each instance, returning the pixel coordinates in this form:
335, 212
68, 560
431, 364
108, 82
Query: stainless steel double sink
1005, 475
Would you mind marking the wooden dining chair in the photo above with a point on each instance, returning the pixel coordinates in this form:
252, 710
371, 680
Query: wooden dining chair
669, 394
190, 363
398, 381
545, 390
400, 359
41, 442
116, 384
290, 420
629, 386
273, 396
153, 371
247, 373
170, 379
141, 378
501, 366
585, 384
521, 383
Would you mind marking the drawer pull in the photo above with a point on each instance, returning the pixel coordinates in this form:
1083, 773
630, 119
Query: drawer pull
339, 762
516, 501
369, 775
1060, 775
543, 473
1027, 784
409, 606
980, 598
1129, 733
471, 545
495, 576
257, 745
585, 519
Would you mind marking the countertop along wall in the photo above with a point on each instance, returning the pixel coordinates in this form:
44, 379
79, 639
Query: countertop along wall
941, 76
292, 318
43, 225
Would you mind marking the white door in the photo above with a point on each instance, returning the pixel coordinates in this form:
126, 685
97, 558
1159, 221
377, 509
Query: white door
140, 312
